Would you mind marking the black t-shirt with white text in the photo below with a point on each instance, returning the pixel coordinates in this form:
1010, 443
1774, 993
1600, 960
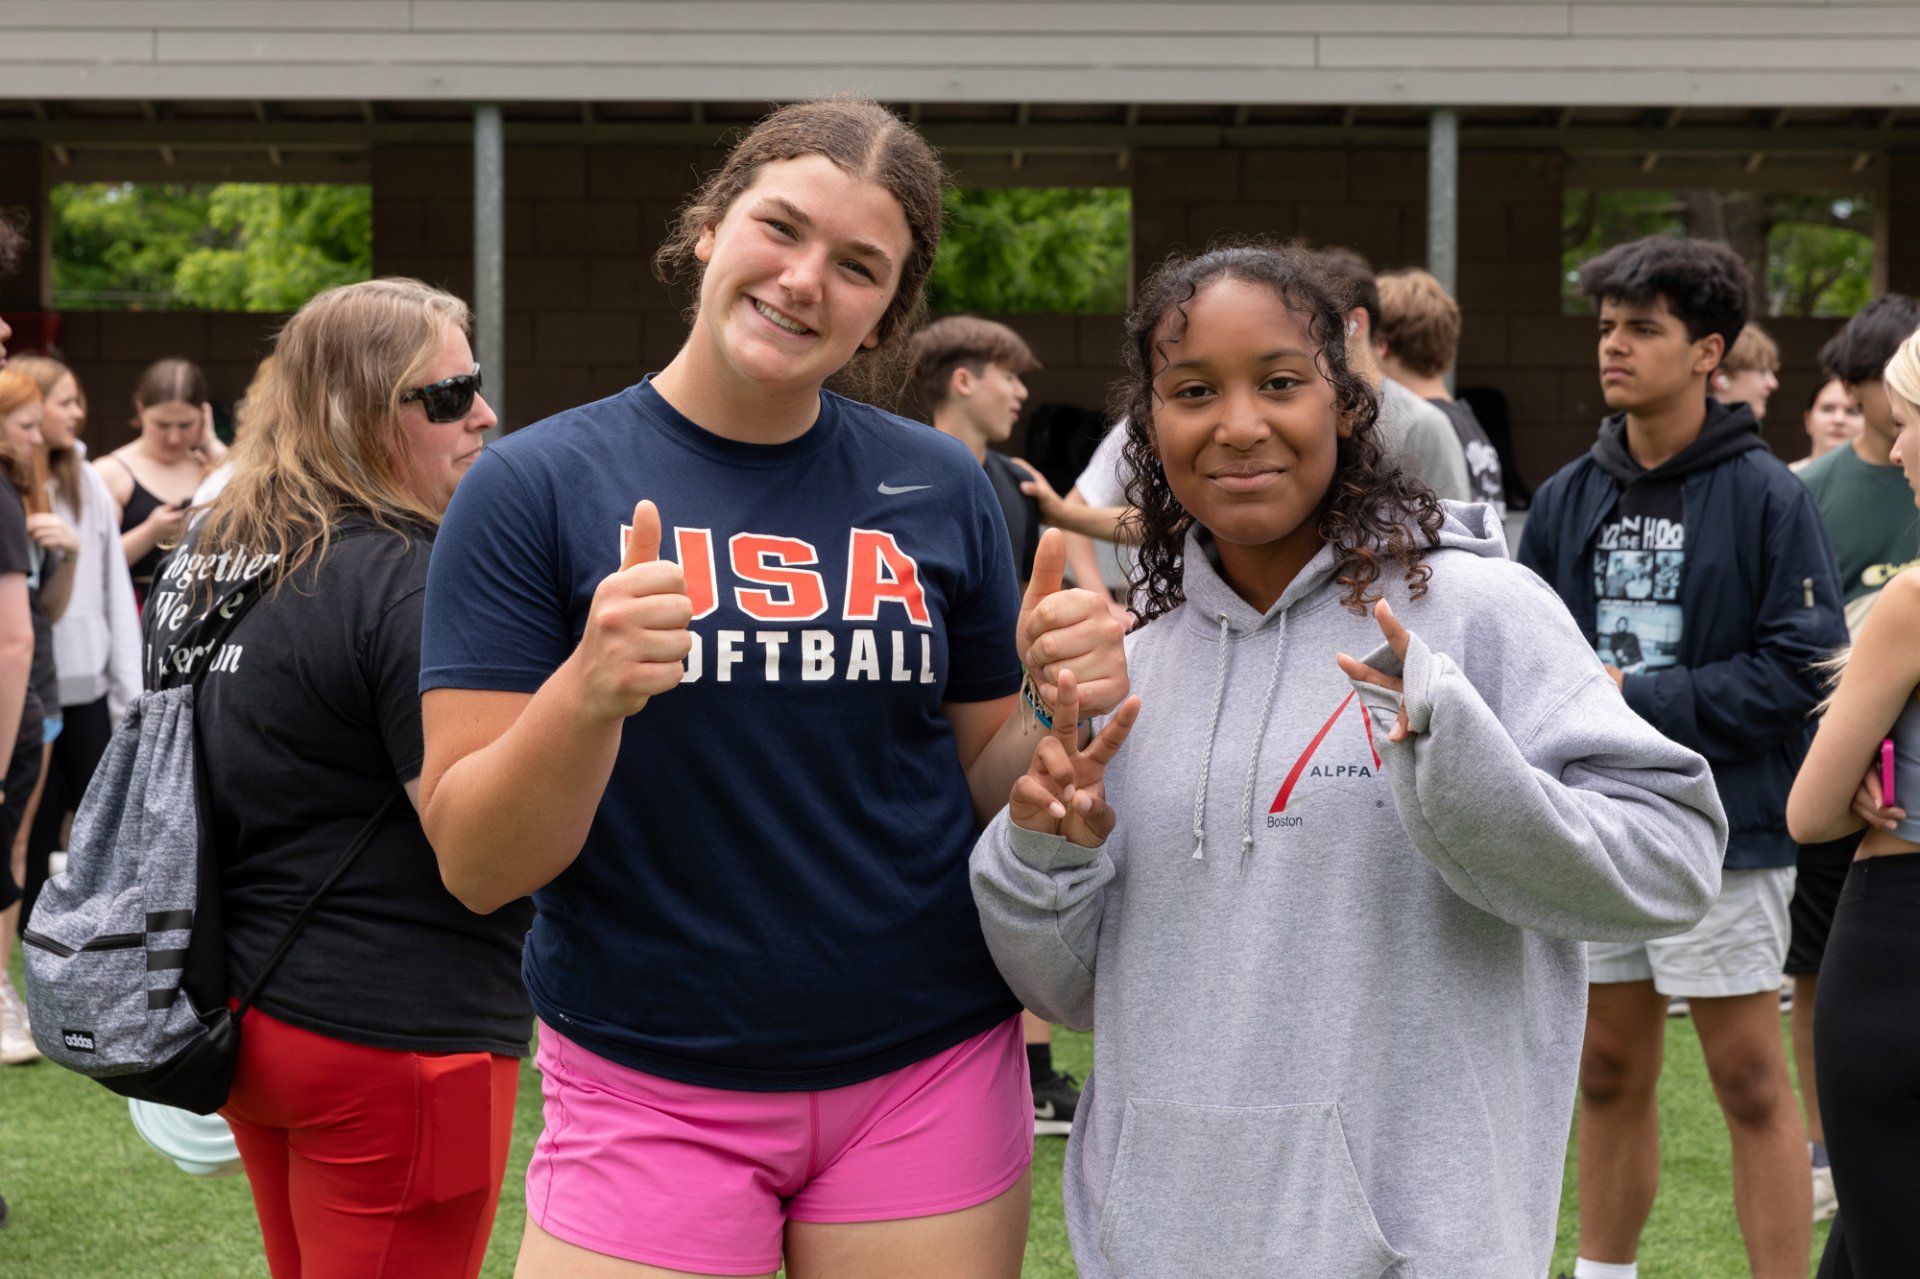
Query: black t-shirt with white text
1639, 557
309, 717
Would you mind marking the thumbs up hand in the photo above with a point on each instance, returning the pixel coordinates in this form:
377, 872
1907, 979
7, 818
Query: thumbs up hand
1061, 630
636, 635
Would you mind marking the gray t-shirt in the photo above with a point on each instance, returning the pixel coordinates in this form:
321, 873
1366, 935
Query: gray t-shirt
1420, 440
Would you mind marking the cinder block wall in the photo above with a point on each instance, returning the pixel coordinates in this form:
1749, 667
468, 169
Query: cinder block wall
108, 350
585, 315
1514, 337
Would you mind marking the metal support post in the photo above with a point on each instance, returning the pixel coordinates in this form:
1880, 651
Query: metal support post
489, 257
1443, 198
1443, 203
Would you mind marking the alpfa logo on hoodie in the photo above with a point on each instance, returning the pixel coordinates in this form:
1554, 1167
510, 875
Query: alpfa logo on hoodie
1306, 765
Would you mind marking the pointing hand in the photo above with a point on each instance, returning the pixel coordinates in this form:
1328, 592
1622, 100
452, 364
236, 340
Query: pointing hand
1355, 669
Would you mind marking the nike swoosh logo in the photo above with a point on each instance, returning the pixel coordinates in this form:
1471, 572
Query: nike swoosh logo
1043, 1112
891, 491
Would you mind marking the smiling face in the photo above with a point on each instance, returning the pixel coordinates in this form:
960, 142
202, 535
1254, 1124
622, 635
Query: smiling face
1246, 430
1647, 361
1834, 418
65, 411
799, 273
439, 453
169, 430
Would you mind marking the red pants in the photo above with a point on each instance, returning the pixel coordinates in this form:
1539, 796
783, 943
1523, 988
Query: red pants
368, 1163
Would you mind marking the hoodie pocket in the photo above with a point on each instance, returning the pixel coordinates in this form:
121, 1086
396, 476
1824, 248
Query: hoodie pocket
1239, 1190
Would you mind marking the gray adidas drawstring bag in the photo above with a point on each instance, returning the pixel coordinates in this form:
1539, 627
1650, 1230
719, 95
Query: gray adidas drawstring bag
125, 958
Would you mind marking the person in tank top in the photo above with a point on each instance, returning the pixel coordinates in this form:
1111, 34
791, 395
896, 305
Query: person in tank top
154, 477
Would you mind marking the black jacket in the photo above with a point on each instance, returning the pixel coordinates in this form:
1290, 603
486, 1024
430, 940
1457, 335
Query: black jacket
1761, 599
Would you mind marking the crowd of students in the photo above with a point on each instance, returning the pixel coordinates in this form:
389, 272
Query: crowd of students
752, 741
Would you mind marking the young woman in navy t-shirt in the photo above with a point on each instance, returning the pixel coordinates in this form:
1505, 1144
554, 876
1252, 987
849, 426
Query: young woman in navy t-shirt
737, 740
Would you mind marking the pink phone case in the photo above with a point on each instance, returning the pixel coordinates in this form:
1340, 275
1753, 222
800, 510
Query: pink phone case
1887, 799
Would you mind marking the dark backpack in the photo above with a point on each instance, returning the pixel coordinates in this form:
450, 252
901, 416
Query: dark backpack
126, 964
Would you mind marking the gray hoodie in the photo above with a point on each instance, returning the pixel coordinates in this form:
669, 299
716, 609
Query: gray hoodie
1340, 994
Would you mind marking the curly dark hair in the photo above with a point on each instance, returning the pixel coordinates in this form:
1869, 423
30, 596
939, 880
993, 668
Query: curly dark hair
1706, 284
867, 141
1860, 350
1372, 511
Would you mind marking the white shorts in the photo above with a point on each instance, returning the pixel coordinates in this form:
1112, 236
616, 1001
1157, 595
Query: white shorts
1738, 949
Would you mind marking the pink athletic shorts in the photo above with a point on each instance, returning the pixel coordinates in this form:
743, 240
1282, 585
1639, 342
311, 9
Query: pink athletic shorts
705, 1179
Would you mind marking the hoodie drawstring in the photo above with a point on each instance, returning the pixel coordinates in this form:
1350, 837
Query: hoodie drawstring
1213, 729
1206, 756
1259, 735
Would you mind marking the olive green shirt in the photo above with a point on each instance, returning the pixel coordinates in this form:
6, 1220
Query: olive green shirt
1870, 519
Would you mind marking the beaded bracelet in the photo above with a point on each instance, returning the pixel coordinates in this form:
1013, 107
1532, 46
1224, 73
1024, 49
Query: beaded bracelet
1037, 708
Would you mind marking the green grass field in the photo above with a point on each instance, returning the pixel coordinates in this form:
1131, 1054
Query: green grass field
90, 1199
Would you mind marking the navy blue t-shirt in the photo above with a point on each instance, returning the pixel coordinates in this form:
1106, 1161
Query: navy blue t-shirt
773, 894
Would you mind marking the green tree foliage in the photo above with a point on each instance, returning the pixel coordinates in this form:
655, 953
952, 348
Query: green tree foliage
1811, 253
1034, 251
233, 247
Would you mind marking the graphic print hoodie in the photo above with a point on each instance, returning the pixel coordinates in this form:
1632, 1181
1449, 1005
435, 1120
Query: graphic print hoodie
1337, 983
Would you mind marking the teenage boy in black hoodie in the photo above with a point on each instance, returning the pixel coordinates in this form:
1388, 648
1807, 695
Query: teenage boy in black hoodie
1690, 554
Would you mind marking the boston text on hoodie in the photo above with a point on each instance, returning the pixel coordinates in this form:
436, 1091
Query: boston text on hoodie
1338, 981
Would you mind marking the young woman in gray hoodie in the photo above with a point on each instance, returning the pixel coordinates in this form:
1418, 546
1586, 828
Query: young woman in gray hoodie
1325, 913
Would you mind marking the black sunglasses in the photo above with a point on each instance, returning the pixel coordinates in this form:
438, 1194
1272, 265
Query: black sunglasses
447, 400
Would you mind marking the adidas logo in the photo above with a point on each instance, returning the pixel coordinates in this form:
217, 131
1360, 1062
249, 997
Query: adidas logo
81, 1041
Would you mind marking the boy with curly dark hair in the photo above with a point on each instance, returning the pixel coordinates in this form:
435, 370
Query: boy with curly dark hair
1698, 568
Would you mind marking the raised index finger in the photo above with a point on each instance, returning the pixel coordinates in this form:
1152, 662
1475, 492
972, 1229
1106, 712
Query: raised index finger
643, 540
1396, 634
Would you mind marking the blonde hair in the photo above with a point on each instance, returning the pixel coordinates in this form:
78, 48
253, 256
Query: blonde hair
1419, 322
1902, 375
62, 465
319, 434
1752, 351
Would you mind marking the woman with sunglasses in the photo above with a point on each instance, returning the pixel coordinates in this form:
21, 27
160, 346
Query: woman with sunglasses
737, 740
373, 1103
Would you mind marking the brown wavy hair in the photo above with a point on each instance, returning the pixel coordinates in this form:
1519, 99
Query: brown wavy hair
865, 140
320, 436
1373, 512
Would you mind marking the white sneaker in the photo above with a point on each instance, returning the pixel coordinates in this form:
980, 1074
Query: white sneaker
16, 1033
1825, 1202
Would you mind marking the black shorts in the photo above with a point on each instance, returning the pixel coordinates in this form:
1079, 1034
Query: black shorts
23, 771
1816, 891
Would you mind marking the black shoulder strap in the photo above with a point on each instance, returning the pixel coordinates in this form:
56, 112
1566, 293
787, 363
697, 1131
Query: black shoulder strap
299, 920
